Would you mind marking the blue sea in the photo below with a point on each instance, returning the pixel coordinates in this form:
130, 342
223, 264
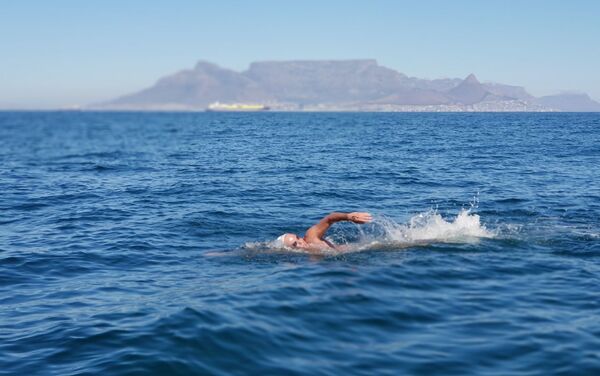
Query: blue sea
142, 244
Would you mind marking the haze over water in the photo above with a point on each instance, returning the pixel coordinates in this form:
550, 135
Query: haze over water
139, 243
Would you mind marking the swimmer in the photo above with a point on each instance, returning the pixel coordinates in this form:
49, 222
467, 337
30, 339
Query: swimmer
314, 240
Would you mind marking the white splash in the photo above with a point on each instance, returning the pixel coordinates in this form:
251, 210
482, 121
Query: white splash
430, 227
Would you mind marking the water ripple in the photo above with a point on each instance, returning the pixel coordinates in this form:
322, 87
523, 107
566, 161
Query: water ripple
140, 243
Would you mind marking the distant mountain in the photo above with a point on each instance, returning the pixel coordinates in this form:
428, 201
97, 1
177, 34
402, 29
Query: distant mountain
441, 84
470, 91
570, 102
310, 82
329, 84
299, 82
198, 87
501, 90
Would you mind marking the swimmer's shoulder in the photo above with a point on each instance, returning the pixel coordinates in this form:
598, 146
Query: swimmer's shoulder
320, 244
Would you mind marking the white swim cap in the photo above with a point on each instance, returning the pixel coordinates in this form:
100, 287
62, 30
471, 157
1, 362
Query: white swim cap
279, 241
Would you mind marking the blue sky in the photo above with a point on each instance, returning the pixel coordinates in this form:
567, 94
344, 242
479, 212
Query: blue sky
61, 52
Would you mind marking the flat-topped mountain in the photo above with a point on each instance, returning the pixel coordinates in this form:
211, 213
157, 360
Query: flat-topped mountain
311, 82
346, 84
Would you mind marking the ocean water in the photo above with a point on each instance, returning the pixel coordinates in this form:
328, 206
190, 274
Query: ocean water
141, 244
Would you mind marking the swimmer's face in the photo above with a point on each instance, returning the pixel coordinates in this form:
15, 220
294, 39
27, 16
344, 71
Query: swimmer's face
294, 241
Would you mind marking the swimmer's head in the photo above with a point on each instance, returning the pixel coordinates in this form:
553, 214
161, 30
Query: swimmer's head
291, 241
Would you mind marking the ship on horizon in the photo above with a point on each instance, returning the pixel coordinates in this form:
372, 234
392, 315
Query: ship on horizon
235, 107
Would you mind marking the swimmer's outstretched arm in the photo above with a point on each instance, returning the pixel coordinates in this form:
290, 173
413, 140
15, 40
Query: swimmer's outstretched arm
317, 231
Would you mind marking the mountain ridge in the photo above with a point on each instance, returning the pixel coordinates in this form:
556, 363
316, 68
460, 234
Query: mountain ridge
359, 84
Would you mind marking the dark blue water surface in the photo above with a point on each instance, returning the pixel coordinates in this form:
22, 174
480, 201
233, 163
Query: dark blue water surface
138, 243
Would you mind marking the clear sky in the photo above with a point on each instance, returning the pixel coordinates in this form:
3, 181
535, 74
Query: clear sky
67, 52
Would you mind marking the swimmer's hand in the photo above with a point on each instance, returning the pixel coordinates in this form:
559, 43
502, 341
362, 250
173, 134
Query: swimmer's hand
360, 218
